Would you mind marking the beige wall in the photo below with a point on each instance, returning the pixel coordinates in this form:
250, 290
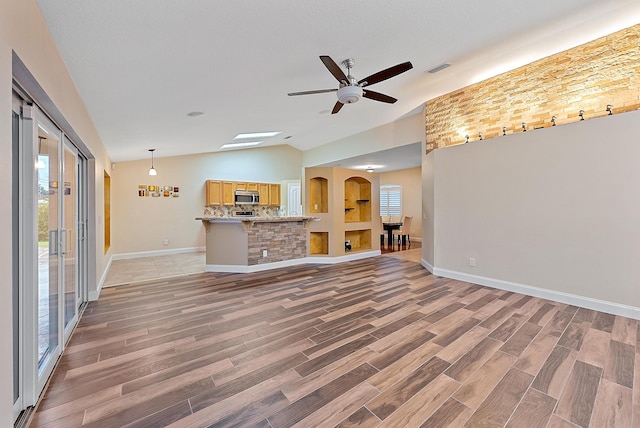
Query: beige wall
553, 210
411, 182
22, 30
140, 224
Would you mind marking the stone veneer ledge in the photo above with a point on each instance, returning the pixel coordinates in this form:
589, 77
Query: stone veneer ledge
587, 77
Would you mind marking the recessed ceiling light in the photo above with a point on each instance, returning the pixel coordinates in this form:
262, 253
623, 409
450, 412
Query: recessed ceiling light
243, 144
368, 167
195, 114
257, 135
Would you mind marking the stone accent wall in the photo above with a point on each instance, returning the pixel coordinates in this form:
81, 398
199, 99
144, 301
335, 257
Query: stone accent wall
282, 240
587, 77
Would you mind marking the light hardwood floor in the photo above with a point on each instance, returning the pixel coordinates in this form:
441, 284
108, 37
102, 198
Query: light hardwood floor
376, 342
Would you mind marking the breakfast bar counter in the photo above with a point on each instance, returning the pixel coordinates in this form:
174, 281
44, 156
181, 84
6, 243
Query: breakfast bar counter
247, 244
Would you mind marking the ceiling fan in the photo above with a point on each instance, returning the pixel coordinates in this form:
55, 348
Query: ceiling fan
351, 90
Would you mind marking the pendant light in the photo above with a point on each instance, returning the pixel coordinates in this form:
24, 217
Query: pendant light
152, 170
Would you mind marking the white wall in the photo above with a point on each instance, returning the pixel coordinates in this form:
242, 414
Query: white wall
403, 131
140, 224
23, 31
555, 210
428, 221
411, 182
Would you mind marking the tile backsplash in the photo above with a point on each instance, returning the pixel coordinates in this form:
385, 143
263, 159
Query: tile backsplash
226, 211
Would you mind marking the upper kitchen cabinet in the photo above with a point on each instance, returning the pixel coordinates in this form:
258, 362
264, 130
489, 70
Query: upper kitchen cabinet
219, 193
274, 195
228, 197
214, 193
263, 192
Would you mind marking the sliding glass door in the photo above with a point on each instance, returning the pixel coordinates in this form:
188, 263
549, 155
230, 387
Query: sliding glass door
50, 251
69, 237
49, 242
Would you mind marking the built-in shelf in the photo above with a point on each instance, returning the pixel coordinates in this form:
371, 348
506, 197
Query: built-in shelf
330, 191
357, 193
359, 239
319, 243
319, 195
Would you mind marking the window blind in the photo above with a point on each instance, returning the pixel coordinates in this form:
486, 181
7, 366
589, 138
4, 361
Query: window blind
391, 200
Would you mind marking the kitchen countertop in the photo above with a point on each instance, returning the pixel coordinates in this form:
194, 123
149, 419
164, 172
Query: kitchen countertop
249, 222
255, 219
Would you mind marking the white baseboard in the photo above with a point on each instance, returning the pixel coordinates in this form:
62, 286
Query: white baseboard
154, 253
95, 294
293, 262
426, 265
558, 296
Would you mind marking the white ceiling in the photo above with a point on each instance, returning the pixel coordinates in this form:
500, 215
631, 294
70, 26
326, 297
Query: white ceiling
141, 66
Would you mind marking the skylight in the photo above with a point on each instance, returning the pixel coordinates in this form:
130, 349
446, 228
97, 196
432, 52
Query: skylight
242, 144
256, 135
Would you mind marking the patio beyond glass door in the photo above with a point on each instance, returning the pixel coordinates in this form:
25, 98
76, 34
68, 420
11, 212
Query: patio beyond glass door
48, 244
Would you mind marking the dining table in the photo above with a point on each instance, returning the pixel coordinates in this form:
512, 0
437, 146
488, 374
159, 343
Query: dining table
390, 227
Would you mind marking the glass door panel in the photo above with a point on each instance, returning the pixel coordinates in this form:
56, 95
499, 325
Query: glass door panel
69, 236
48, 242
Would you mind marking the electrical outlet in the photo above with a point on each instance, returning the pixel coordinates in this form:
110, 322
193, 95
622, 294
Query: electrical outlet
472, 261
264, 253
165, 242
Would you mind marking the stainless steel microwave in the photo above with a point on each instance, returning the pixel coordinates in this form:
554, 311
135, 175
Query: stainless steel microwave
246, 197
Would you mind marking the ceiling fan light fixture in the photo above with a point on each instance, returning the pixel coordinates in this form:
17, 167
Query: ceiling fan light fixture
349, 94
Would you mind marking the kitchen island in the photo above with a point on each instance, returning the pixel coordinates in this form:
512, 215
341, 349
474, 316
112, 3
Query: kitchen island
250, 244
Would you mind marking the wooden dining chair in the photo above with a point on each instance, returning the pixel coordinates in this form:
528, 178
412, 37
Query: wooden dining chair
381, 232
404, 230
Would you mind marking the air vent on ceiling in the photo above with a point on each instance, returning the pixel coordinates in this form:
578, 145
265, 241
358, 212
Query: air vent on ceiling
439, 68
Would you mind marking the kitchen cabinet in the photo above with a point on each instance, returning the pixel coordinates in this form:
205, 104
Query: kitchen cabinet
220, 193
263, 191
274, 195
214, 193
228, 197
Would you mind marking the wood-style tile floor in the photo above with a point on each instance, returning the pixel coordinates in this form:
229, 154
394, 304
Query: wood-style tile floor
376, 342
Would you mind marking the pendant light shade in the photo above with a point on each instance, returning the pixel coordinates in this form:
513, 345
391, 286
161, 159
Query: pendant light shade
152, 170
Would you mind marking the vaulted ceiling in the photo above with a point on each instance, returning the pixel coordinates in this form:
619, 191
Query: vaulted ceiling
141, 66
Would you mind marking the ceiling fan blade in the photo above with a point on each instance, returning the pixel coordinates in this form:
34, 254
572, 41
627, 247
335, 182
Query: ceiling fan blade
337, 107
318, 91
377, 96
333, 68
386, 74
